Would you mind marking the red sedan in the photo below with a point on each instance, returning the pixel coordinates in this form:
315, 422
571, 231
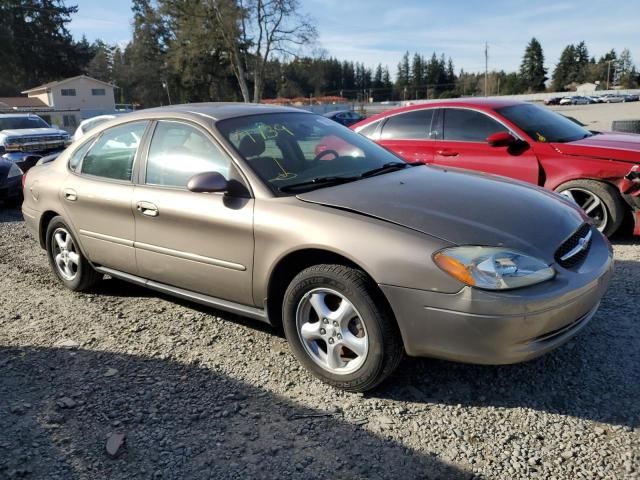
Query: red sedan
598, 170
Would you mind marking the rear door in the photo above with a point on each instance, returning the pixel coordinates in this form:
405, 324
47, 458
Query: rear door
201, 242
409, 135
464, 145
97, 195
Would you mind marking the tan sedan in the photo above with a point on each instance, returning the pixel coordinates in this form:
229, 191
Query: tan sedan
359, 256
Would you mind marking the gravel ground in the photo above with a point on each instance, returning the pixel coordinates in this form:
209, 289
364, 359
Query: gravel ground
122, 383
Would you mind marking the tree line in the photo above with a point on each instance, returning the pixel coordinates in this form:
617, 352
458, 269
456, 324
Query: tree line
248, 50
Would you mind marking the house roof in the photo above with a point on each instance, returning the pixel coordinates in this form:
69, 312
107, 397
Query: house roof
66, 80
21, 102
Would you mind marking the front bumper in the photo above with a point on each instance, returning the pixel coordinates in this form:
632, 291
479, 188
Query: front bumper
488, 327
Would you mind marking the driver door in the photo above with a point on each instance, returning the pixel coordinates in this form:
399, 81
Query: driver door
201, 242
463, 144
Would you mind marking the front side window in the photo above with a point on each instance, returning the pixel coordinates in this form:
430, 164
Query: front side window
292, 152
112, 155
178, 152
469, 125
68, 92
98, 92
412, 125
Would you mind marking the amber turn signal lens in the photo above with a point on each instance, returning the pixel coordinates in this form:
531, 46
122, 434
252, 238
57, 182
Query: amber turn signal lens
455, 268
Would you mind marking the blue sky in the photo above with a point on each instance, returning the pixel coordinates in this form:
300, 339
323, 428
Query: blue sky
373, 31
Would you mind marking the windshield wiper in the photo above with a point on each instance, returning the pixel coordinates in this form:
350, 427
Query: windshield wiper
389, 167
318, 182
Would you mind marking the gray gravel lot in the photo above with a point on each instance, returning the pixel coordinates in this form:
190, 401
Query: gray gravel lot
199, 393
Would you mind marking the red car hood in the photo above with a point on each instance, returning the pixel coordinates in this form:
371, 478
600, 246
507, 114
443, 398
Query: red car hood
609, 145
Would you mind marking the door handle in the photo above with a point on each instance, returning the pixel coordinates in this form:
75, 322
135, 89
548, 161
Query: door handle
147, 208
447, 153
70, 194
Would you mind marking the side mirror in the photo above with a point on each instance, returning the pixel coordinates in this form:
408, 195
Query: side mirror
208, 182
501, 139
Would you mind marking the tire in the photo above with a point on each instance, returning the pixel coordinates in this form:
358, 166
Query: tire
370, 323
614, 207
73, 270
626, 126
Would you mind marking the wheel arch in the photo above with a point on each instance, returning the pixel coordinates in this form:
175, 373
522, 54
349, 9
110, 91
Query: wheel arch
45, 219
292, 264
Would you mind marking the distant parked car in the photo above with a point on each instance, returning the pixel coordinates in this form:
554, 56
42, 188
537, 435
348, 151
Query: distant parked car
595, 98
25, 138
599, 171
89, 124
565, 101
345, 117
553, 101
630, 98
611, 98
580, 100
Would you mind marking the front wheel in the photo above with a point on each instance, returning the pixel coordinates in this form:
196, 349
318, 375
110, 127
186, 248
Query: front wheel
66, 259
600, 201
339, 328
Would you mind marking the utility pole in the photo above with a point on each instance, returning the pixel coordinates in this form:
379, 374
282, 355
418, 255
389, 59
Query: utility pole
608, 73
166, 87
486, 67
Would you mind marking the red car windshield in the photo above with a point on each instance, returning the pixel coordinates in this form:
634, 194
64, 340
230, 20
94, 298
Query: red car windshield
542, 124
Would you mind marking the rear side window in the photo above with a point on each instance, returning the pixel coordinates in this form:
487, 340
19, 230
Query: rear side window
112, 155
78, 155
469, 125
178, 152
413, 125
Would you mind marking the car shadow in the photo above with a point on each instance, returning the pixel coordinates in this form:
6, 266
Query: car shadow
596, 376
583, 378
60, 407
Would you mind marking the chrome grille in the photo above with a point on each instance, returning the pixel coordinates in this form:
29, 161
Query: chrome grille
36, 143
575, 249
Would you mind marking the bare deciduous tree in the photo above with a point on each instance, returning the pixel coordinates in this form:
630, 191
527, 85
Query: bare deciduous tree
255, 31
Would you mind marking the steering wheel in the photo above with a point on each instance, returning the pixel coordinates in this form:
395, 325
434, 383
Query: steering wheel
323, 153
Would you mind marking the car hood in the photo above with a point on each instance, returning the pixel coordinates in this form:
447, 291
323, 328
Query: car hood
25, 132
608, 146
460, 207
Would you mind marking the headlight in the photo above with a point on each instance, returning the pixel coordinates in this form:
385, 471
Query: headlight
492, 268
14, 171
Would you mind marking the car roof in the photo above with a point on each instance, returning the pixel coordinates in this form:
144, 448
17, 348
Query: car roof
222, 110
487, 103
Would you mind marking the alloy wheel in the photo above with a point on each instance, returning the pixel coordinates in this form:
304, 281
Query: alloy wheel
332, 331
65, 254
591, 204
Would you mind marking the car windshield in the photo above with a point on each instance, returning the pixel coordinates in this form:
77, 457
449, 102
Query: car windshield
21, 123
293, 152
542, 124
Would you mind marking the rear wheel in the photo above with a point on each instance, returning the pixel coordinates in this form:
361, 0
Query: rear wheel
66, 259
339, 329
599, 200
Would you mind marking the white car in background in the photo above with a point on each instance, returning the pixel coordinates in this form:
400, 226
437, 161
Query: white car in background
90, 124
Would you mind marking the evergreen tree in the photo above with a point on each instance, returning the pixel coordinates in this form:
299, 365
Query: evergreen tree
532, 72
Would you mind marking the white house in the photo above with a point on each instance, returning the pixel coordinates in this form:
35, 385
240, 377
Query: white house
89, 96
